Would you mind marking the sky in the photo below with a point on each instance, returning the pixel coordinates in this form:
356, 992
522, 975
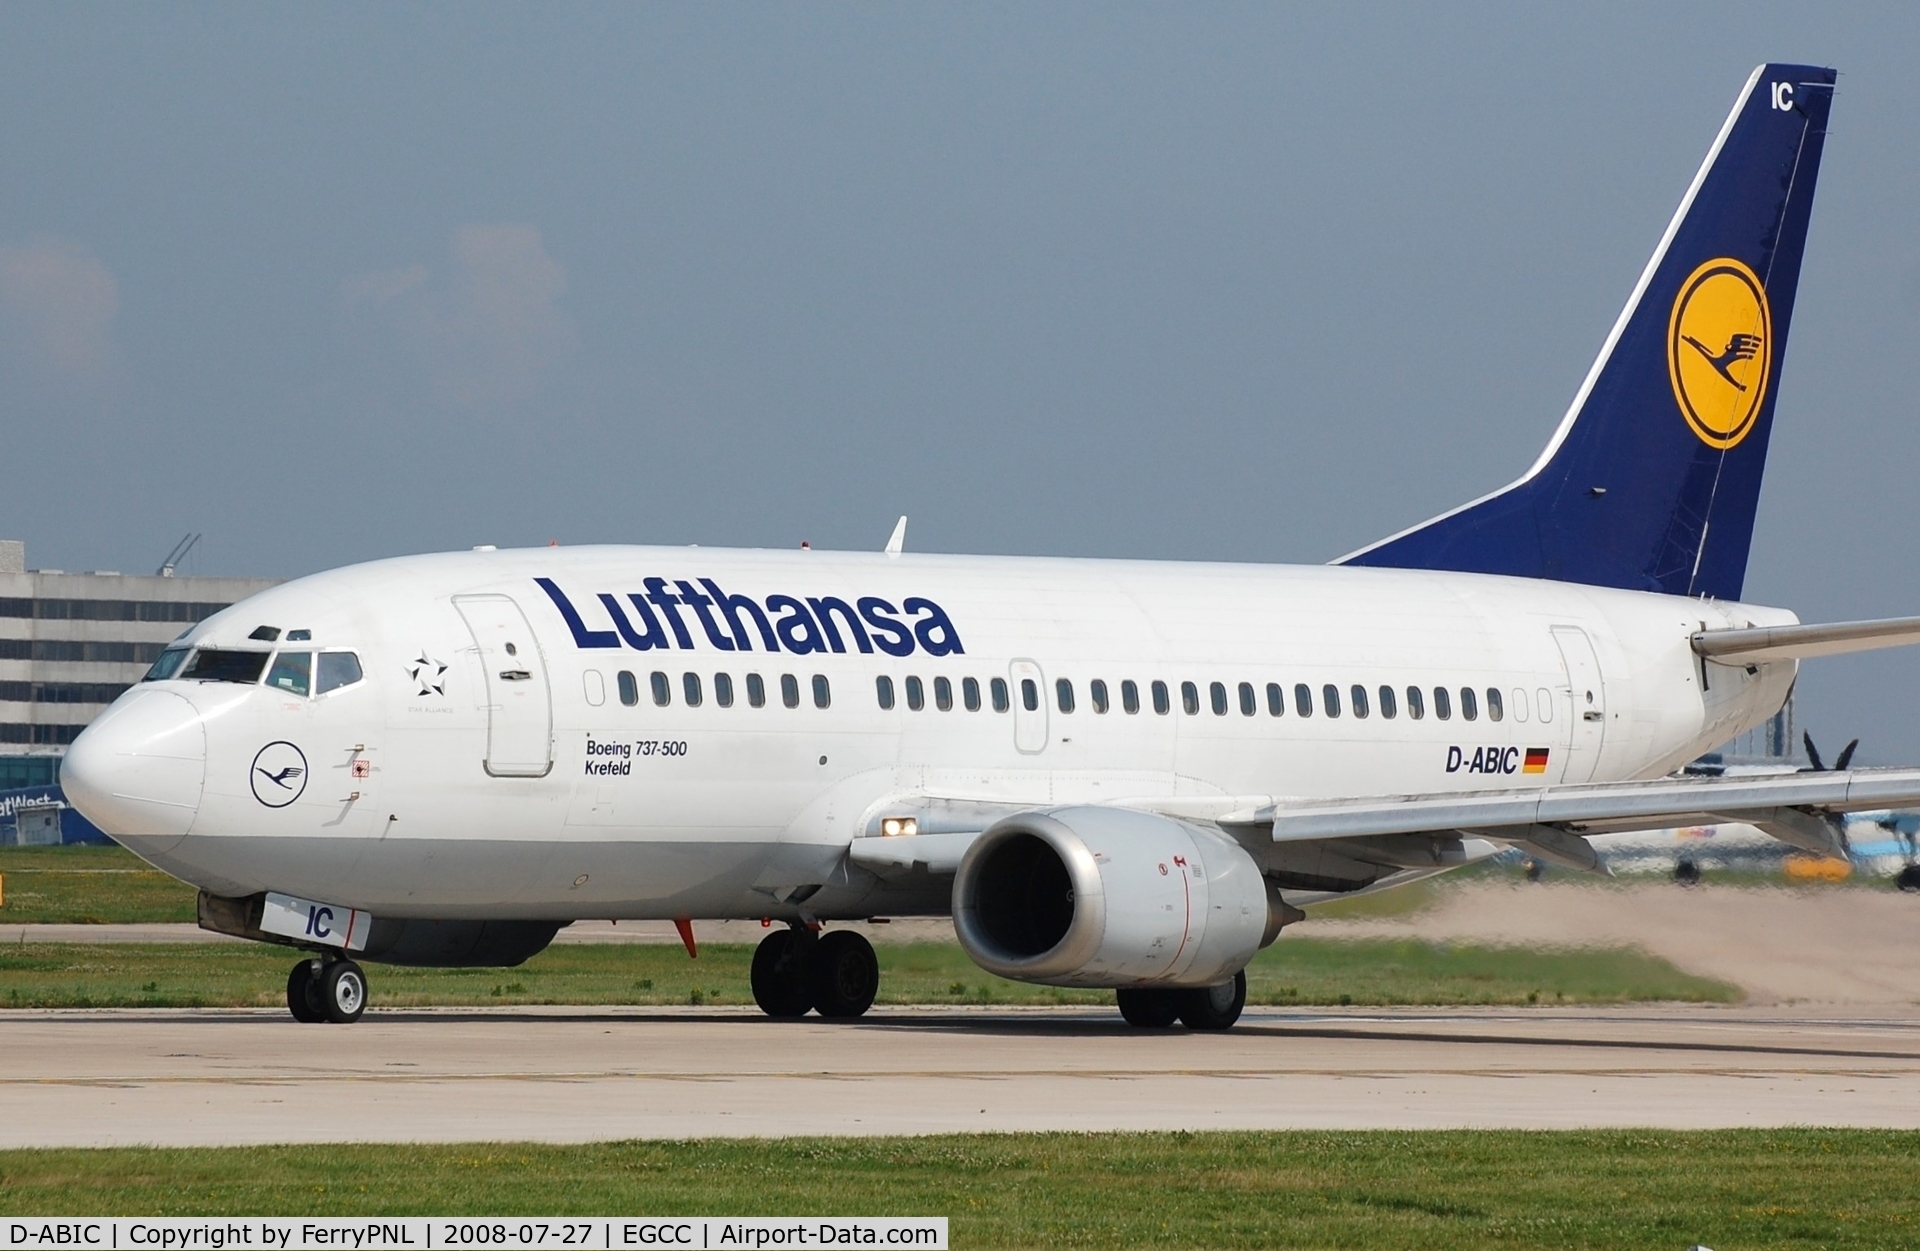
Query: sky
1254, 283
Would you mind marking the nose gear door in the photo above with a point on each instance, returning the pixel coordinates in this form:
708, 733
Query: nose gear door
519, 707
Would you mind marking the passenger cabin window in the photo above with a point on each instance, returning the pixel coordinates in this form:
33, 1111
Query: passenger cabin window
1130, 697
756, 691
1029, 695
1063, 692
723, 689
1217, 696
337, 669
999, 690
1442, 704
662, 689
943, 694
292, 672
1416, 703
1543, 704
1469, 705
916, 694
883, 687
629, 688
1330, 700
167, 665
1358, 694
1388, 707
1303, 699
1190, 699
1276, 700
1161, 704
1097, 692
1495, 711
1248, 704
789, 690
970, 693
822, 692
690, 683
212, 664
594, 687
1520, 708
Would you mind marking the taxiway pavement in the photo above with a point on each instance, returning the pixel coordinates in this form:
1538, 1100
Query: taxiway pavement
211, 1077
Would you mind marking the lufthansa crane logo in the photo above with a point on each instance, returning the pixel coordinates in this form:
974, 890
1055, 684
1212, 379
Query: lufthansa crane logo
279, 774
1720, 350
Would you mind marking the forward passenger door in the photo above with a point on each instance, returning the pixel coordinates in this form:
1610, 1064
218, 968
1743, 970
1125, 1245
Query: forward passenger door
519, 707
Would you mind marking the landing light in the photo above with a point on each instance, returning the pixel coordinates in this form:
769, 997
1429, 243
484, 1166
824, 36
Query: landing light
899, 827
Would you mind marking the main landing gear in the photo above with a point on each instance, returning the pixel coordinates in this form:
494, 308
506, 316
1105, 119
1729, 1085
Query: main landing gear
796, 971
1204, 1008
334, 991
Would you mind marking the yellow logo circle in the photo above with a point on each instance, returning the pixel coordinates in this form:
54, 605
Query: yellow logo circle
1720, 350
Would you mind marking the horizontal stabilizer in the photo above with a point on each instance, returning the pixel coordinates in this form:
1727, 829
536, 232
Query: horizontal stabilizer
1799, 642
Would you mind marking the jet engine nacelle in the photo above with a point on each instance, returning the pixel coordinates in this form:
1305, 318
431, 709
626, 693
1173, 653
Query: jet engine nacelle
1110, 897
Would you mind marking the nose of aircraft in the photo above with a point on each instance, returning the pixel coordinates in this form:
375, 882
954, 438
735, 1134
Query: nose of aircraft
137, 772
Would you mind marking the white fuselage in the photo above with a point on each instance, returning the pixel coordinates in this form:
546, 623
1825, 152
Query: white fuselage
460, 779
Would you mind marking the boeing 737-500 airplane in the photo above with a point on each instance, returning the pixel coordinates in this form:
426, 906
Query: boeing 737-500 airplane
1109, 773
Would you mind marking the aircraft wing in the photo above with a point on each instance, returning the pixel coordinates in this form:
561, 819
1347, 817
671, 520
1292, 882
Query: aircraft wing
1801, 809
1552, 822
1799, 642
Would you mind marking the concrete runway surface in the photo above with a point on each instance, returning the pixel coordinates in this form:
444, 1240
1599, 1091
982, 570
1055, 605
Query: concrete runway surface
207, 1077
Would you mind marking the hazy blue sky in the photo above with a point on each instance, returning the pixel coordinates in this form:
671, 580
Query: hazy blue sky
1251, 283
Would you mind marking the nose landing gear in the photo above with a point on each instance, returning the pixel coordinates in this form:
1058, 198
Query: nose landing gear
333, 991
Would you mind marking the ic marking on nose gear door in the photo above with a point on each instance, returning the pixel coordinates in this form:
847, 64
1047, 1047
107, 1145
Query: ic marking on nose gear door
279, 774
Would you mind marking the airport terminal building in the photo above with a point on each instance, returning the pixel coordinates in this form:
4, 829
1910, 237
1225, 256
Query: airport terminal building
70, 643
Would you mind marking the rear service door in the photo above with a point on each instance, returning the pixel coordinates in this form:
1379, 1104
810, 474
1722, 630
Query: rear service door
519, 709
1589, 695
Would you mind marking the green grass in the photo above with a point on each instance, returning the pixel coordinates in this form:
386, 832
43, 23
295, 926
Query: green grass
88, 886
1293, 971
1634, 1188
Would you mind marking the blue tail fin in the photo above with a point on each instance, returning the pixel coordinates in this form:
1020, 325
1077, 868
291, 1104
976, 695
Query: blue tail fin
1652, 480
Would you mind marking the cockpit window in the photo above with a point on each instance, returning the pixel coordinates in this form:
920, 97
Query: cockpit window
338, 669
211, 664
291, 672
167, 665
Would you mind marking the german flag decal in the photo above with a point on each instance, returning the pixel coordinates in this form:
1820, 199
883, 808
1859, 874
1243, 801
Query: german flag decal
1536, 760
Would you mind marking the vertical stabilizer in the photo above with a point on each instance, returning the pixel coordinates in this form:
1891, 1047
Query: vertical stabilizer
1653, 478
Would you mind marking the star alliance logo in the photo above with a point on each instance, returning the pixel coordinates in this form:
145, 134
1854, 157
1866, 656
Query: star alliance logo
429, 674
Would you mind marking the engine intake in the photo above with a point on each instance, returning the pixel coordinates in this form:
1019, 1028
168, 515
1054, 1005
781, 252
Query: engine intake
1111, 897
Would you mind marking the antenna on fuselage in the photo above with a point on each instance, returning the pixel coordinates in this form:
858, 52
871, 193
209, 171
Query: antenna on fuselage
898, 542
